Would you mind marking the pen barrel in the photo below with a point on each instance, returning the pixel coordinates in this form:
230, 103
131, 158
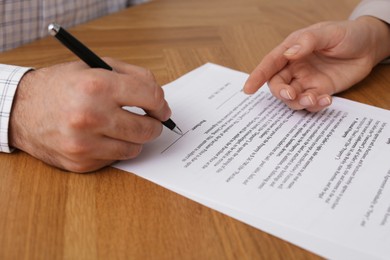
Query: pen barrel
170, 124
81, 50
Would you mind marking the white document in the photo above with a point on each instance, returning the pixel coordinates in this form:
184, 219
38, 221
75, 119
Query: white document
319, 180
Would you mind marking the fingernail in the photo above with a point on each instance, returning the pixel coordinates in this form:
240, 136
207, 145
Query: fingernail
292, 50
306, 101
168, 113
284, 93
324, 101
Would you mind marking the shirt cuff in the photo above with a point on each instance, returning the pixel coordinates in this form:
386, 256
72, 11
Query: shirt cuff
377, 8
10, 77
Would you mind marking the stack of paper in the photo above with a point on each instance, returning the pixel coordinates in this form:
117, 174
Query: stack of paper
319, 180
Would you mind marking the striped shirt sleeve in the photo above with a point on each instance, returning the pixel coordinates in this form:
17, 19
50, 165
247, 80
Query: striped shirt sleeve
23, 21
9, 79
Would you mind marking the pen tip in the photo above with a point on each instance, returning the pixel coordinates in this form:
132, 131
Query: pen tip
177, 130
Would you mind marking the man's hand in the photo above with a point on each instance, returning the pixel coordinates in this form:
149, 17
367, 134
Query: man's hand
71, 116
313, 63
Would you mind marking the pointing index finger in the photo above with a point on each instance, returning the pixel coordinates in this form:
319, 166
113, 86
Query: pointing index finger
271, 64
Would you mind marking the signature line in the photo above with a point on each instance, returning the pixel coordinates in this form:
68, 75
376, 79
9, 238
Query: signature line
228, 99
174, 142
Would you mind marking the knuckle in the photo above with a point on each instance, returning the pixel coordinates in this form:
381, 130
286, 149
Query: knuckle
158, 97
307, 36
149, 132
156, 91
262, 72
274, 89
82, 119
92, 85
146, 130
74, 148
148, 74
108, 59
294, 105
131, 152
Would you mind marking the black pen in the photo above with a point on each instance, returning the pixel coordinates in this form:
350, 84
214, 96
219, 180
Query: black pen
91, 59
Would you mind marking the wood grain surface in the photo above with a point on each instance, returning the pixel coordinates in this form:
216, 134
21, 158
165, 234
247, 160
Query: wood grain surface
46, 213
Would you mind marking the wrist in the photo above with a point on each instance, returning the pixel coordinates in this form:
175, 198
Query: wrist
18, 116
379, 36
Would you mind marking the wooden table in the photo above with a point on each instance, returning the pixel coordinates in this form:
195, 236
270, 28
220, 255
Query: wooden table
46, 213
